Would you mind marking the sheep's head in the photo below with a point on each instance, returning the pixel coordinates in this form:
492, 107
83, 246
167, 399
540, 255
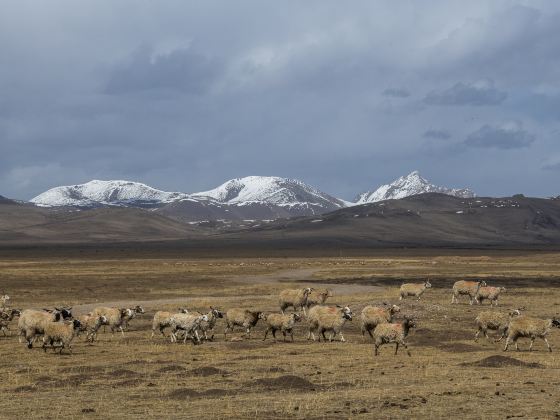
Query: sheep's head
409, 321
183, 310
296, 317
66, 313
217, 313
346, 313
138, 309
102, 319
428, 284
502, 289
556, 322
15, 312
203, 318
515, 312
77, 324
329, 293
5, 298
482, 283
260, 315
124, 312
306, 291
395, 309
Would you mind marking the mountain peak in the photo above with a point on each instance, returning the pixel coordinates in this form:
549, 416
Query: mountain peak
408, 185
99, 192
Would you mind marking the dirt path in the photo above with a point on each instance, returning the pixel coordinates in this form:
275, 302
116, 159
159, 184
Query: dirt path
300, 275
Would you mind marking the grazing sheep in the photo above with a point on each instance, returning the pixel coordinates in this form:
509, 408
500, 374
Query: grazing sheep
6, 317
130, 315
525, 326
496, 321
244, 318
32, 323
61, 333
318, 297
489, 293
294, 297
393, 333
90, 325
189, 324
328, 318
162, 320
414, 289
114, 317
469, 288
372, 316
209, 325
284, 323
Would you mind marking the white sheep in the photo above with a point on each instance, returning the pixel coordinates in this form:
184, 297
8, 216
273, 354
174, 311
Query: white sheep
189, 324
60, 333
294, 297
469, 288
4, 299
372, 316
318, 297
414, 289
393, 333
525, 326
207, 326
130, 315
281, 322
328, 318
162, 320
90, 324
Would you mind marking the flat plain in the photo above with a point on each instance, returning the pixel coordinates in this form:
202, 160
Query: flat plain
135, 376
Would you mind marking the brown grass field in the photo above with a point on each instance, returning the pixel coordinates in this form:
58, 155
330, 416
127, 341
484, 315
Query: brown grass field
448, 373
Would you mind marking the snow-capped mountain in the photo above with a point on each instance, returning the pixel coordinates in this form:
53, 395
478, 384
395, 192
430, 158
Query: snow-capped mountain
272, 190
106, 193
408, 185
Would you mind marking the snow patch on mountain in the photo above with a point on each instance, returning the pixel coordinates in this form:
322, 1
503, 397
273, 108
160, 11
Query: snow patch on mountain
408, 185
96, 192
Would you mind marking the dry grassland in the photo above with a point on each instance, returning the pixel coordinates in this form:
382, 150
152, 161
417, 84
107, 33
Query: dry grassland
448, 373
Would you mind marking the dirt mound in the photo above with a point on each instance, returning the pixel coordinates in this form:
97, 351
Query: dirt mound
502, 361
287, 382
172, 368
186, 393
208, 371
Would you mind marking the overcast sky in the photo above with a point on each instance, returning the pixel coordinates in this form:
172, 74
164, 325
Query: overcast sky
183, 95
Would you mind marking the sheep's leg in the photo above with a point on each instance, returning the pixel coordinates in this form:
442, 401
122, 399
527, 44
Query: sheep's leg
122, 331
304, 313
507, 344
284, 334
342, 338
532, 342
547, 345
248, 333
477, 334
292, 335
266, 333
225, 331
453, 298
407, 350
401, 297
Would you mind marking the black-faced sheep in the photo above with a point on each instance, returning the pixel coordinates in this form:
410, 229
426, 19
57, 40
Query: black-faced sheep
525, 326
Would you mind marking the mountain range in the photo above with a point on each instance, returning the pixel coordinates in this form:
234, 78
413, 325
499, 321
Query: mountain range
249, 198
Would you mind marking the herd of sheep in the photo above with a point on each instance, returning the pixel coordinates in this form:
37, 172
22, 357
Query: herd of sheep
58, 327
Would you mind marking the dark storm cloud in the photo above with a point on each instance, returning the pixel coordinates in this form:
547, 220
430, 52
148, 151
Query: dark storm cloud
475, 94
509, 136
183, 95
437, 134
396, 92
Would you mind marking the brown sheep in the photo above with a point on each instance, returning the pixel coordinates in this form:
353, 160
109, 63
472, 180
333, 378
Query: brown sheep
414, 289
90, 325
318, 297
489, 293
205, 326
372, 316
492, 320
162, 320
244, 318
32, 322
393, 333
284, 323
6, 316
294, 297
469, 288
62, 333
114, 316
525, 326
